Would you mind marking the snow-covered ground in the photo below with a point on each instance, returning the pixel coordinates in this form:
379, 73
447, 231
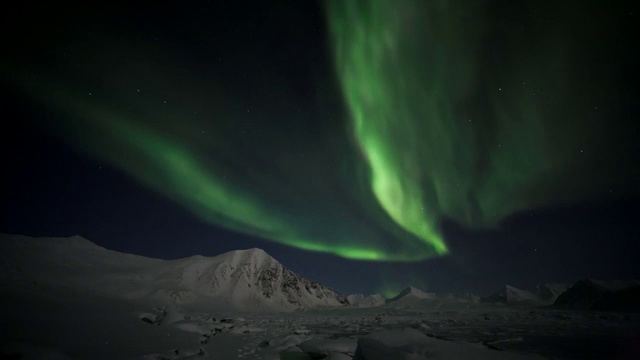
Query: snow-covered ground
118, 306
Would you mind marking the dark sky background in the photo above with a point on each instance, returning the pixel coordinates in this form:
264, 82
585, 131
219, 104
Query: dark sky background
168, 130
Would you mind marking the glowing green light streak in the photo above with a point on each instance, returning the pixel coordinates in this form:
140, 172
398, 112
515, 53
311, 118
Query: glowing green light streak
366, 39
170, 167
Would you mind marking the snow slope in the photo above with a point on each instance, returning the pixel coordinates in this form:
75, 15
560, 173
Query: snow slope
248, 280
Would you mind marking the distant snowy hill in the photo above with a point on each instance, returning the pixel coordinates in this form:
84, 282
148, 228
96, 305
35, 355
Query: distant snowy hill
243, 279
619, 295
549, 292
510, 295
459, 297
362, 301
413, 298
412, 293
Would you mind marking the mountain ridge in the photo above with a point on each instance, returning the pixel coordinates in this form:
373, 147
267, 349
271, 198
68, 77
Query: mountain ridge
598, 295
248, 278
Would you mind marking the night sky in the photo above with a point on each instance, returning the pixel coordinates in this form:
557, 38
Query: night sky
368, 145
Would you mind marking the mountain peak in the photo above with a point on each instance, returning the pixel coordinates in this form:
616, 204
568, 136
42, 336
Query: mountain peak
512, 294
254, 251
257, 252
412, 292
248, 279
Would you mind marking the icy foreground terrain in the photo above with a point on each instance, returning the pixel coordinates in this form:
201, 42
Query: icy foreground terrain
106, 305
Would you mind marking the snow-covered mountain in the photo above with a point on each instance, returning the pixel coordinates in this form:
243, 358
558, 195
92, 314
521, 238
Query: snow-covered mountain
459, 297
544, 294
413, 298
589, 294
549, 292
362, 301
243, 279
412, 293
509, 295
354, 298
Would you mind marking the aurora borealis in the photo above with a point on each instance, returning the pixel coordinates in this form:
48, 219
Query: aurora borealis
349, 128
411, 71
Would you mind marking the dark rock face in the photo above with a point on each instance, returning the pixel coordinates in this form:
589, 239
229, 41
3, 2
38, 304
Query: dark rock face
267, 280
291, 286
278, 278
593, 295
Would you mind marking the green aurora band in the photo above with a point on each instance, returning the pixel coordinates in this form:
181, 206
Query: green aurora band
413, 77
438, 127
174, 169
